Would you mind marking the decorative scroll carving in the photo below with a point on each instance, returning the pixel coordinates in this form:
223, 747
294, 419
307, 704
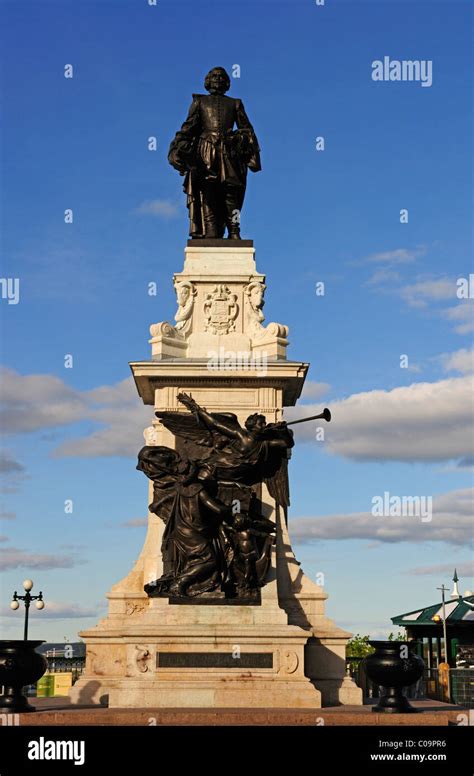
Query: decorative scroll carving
290, 662
141, 659
164, 329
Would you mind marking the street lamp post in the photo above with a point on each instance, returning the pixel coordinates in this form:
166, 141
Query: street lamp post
445, 637
27, 598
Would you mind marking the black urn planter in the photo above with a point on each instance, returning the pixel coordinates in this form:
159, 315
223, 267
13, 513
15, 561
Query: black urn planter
393, 666
20, 665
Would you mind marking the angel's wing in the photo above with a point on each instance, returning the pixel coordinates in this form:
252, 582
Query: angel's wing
183, 424
190, 427
277, 481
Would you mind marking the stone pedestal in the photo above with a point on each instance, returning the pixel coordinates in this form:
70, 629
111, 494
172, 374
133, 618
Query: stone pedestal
281, 651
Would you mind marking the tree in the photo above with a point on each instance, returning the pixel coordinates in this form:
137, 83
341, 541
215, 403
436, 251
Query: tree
397, 636
358, 646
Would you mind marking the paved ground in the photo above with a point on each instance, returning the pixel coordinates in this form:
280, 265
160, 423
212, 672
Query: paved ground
59, 711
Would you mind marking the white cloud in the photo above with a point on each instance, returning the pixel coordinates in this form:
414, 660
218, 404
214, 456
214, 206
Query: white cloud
13, 558
419, 294
124, 416
313, 390
382, 277
123, 436
37, 402
59, 611
451, 523
397, 256
464, 569
459, 361
420, 422
32, 402
463, 316
162, 208
112, 395
8, 464
465, 463
425, 294
413, 367
7, 515
12, 472
135, 522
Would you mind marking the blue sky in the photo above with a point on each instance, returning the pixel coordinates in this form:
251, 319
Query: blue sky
331, 216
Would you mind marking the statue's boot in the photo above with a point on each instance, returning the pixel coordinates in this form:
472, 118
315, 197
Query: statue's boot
210, 212
233, 201
233, 232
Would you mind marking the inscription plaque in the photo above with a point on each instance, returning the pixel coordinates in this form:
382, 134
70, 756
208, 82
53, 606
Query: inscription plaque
213, 660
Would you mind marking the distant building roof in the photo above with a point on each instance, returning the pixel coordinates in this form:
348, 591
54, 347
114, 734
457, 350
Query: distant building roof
458, 612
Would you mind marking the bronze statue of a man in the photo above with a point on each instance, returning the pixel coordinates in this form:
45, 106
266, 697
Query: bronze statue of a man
214, 158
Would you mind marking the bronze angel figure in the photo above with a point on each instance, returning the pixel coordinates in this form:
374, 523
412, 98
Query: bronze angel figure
216, 539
